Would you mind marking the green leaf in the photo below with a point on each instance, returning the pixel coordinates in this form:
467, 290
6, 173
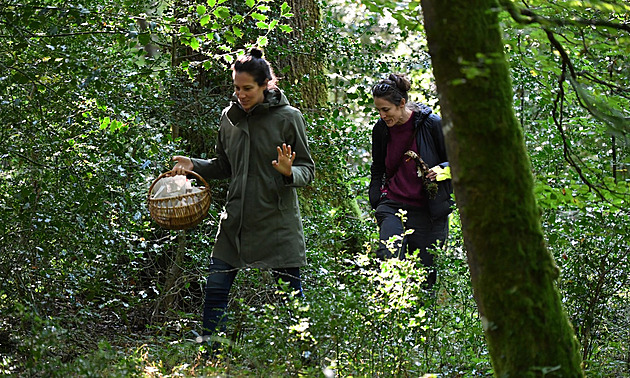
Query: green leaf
262, 41
114, 125
262, 25
250, 3
184, 30
204, 20
286, 28
194, 43
104, 122
237, 32
201, 9
144, 39
221, 12
212, 3
258, 16
285, 8
229, 37
263, 8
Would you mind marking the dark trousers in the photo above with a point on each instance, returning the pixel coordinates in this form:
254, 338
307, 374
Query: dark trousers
219, 283
427, 233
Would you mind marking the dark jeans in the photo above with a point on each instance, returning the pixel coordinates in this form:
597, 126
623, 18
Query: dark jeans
219, 283
427, 233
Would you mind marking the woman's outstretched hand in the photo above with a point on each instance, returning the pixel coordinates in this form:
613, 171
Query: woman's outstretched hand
183, 164
285, 160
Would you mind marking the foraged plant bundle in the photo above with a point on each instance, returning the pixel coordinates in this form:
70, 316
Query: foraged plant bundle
430, 187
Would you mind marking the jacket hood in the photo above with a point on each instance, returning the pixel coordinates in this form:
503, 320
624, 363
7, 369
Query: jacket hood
421, 109
273, 98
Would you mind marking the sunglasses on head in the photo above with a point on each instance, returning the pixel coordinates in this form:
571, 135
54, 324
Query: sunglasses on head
383, 87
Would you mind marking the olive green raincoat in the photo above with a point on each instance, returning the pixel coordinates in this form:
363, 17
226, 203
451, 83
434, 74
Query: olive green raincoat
260, 225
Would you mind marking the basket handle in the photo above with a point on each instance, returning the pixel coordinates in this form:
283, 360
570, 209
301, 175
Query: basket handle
171, 173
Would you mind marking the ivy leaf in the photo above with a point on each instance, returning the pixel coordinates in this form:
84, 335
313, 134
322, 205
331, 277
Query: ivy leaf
258, 16
194, 43
184, 31
221, 12
105, 122
229, 37
237, 31
285, 8
262, 41
286, 28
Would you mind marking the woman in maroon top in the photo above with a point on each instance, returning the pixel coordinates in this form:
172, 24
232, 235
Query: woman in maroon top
409, 172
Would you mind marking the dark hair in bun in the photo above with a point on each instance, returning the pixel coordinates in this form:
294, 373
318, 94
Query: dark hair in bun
256, 53
393, 89
254, 64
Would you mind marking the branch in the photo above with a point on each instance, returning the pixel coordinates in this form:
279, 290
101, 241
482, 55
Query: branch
617, 122
563, 53
575, 22
527, 16
618, 89
566, 150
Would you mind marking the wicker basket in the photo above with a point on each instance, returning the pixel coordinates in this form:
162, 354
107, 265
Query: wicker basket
180, 217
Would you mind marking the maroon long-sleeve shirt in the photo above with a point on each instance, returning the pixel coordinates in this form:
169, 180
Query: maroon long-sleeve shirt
404, 185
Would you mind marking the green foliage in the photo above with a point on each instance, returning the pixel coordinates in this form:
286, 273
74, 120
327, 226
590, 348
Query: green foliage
580, 159
590, 247
222, 29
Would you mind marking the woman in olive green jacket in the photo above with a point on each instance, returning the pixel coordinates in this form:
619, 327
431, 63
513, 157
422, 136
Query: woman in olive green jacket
263, 150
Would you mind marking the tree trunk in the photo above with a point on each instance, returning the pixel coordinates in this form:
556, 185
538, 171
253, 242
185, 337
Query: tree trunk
300, 67
526, 327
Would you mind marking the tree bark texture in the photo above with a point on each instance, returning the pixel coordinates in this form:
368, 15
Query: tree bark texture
513, 274
301, 67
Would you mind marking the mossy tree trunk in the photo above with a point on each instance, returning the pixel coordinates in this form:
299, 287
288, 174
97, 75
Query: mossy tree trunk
513, 274
302, 66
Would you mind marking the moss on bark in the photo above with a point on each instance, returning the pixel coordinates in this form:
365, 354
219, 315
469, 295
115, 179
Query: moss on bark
513, 274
